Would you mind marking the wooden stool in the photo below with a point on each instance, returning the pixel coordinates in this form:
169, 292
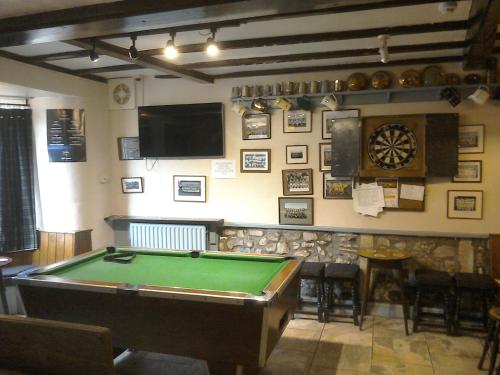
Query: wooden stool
385, 259
433, 282
313, 271
492, 338
476, 284
340, 272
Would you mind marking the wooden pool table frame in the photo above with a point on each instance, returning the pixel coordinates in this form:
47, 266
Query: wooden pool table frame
234, 332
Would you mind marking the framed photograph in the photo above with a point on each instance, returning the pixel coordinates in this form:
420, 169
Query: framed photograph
296, 154
128, 148
256, 126
471, 139
296, 211
298, 121
297, 181
469, 171
329, 117
465, 204
325, 157
132, 185
189, 189
255, 161
336, 187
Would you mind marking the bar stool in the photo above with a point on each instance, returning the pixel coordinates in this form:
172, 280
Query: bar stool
313, 271
342, 273
491, 339
427, 284
476, 284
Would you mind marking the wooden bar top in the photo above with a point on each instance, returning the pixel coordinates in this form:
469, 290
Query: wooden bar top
385, 254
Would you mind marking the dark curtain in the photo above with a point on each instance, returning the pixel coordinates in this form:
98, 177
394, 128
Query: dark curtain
17, 193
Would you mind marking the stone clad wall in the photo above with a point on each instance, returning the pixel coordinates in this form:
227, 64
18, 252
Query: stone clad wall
437, 253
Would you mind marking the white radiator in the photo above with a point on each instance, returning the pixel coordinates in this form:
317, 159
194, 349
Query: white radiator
168, 236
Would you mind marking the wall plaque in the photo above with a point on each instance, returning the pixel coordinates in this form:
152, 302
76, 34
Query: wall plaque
66, 135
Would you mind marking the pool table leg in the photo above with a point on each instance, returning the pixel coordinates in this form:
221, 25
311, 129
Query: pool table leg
220, 368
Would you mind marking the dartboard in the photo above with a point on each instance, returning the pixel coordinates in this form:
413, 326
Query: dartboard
392, 146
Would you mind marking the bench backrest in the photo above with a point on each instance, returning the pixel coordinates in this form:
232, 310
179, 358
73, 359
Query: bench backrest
49, 347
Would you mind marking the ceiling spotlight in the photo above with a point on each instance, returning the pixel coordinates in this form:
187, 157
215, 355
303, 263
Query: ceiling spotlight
93, 55
170, 51
383, 50
133, 53
211, 47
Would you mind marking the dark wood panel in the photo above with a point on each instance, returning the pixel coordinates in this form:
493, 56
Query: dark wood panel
441, 144
494, 256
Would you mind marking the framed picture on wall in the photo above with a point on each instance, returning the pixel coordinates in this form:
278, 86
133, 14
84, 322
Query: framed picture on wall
471, 139
336, 187
325, 157
256, 126
128, 148
255, 161
297, 121
297, 181
329, 117
469, 171
189, 189
296, 211
132, 185
465, 204
296, 154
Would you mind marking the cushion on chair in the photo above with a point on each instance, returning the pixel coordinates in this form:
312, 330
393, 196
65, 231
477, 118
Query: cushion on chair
341, 271
148, 363
474, 281
433, 278
8, 272
312, 269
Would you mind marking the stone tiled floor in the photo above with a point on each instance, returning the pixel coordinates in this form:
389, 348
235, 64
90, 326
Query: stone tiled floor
311, 348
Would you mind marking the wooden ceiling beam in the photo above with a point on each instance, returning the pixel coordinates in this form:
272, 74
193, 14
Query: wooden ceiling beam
482, 31
325, 55
27, 60
319, 37
307, 69
61, 56
132, 16
108, 69
145, 61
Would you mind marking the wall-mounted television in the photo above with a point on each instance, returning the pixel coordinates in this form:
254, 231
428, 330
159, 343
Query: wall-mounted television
182, 131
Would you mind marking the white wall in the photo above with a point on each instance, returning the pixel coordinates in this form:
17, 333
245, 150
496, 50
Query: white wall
253, 197
71, 196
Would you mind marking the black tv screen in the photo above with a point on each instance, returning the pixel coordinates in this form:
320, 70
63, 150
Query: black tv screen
182, 131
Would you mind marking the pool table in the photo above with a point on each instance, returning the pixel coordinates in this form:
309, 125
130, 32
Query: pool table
227, 308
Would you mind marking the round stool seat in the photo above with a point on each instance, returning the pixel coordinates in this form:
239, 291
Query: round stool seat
311, 269
494, 313
341, 271
433, 278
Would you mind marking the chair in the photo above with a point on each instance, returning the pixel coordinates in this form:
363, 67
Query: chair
342, 273
6, 274
312, 271
431, 284
46, 347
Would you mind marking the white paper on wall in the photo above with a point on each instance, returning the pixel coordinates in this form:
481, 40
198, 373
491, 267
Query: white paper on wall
413, 192
223, 169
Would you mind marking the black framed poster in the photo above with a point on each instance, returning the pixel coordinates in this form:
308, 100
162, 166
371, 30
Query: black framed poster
66, 135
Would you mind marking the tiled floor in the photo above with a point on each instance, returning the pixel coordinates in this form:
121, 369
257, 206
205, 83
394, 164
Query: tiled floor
311, 348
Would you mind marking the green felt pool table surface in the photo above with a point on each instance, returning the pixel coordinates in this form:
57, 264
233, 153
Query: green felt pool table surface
210, 271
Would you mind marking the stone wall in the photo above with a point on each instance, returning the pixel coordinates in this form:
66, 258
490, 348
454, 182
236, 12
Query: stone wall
437, 253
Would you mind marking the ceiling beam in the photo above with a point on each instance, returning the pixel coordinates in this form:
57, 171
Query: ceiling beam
319, 37
307, 69
132, 16
108, 69
61, 55
325, 55
27, 60
484, 19
144, 61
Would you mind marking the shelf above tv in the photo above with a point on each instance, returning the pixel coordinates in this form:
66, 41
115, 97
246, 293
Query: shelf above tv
396, 95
